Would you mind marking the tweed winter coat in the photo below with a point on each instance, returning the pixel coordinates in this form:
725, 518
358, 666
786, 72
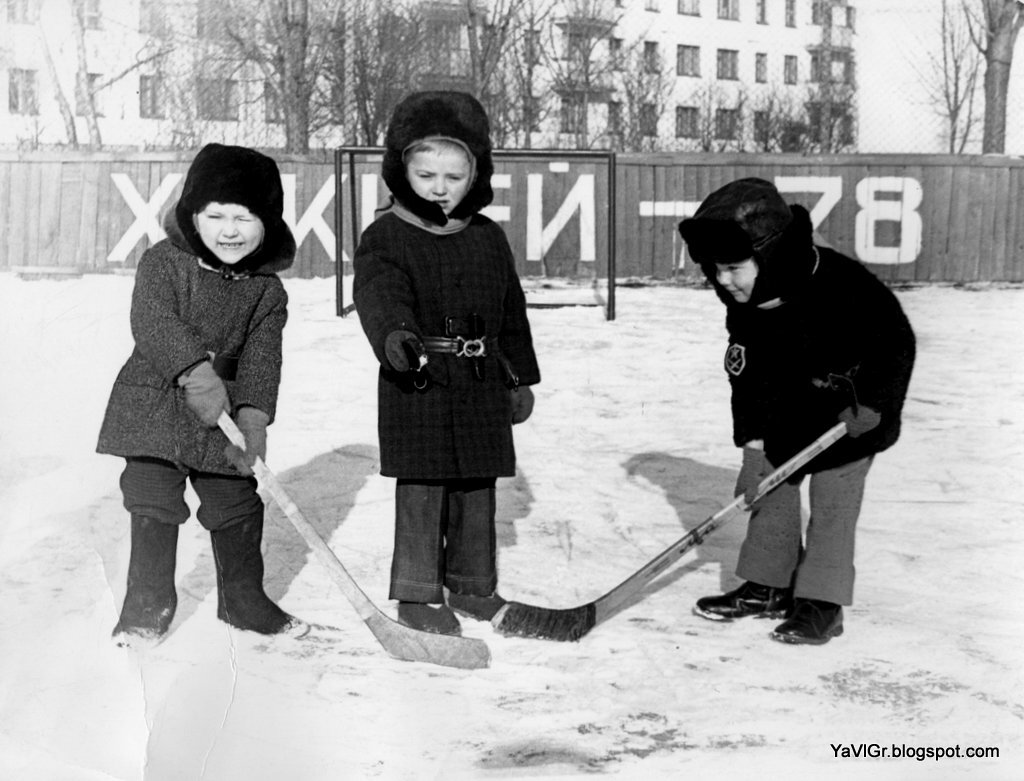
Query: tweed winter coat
838, 336
180, 314
458, 426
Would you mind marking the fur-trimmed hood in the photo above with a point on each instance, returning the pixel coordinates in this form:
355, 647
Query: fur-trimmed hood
234, 174
455, 115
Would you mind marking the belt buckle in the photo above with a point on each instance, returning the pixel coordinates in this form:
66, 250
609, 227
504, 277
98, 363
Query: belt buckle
471, 348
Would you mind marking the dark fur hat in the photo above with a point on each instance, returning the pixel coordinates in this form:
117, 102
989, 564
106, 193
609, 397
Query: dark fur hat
748, 218
236, 174
455, 115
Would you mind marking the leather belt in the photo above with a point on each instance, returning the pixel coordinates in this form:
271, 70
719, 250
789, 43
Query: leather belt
458, 346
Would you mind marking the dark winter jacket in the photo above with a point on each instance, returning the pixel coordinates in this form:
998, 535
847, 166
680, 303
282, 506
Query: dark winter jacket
409, 278
180, 313
820, 334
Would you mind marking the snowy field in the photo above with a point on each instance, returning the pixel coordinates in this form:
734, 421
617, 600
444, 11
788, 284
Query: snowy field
628, 448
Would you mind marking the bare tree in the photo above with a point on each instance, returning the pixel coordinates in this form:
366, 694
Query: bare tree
644, 89
720, 118
951, 78
778, 122
994, 32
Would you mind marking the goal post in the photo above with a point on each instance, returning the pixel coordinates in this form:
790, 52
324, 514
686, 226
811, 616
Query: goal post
557, 208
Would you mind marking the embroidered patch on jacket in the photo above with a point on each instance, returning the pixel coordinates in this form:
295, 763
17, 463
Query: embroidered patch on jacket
735, 359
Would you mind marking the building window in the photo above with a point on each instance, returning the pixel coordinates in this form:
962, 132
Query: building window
851, 17
727, 123
686, 122
762, 11
651, 5
761, 128
218, 99
151, 98
91, 14
729, 9
648, 120
85, 99
22, 11
818, 11
688, 7
687, 60
615, 53
571, 120
22, 92
652, 62
760, 67
151, 17
790, 13
728, 64
789, 69
614, 118
272, 111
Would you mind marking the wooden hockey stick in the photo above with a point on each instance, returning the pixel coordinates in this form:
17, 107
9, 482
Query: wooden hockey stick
516, 618
400, 641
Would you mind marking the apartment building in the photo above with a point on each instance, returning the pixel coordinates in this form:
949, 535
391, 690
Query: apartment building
771, 75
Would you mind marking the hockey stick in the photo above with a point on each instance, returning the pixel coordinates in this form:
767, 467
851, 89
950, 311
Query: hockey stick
400, 641
516, 618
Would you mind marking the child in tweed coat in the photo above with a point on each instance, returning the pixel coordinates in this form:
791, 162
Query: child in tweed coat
207, 315
439, 299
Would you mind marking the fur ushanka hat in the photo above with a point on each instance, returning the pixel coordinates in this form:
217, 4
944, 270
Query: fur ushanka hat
455, 115
237, 174
748, 218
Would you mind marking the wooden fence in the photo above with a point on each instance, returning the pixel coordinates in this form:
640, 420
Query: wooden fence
909, 217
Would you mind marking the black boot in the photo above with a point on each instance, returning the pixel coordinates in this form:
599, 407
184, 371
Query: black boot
241, 600
427, 618
750, 599
480, 608
813, 622
150, 599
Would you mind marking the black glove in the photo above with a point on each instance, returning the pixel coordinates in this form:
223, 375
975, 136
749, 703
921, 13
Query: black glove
404, 350
860, 420
205, 393
522, 404
754, 469
252, 422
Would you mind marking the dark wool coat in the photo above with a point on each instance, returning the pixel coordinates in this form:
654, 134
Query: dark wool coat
180, 313
408, 278
794, 367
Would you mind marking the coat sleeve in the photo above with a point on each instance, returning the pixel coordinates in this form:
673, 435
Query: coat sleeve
515, 339
745, 365
382, 291
169, 343
259, 364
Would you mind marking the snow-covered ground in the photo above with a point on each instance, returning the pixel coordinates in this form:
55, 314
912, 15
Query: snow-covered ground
629, 447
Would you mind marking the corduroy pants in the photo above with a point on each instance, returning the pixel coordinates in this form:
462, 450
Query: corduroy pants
821, 568
444, 537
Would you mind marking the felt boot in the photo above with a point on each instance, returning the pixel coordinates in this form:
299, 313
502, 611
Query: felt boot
427, 618
749, 599
150, 599
241, 600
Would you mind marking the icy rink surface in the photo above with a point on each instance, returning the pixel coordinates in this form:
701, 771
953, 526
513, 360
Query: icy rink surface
628, 448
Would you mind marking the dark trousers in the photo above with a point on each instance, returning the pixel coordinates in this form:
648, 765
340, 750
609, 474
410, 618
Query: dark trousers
444, 537
772, 554
155, 489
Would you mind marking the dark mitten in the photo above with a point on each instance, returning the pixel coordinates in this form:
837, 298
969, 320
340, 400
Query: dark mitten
754, 469
205, 393
860, 420
522, 404
404, 350
252, 422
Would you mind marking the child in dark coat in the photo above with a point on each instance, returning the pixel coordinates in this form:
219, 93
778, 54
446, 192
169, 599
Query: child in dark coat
207, 315
814, 338
439, 299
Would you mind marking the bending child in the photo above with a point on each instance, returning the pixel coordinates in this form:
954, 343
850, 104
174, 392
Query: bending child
814, 338
438, 296
207, 315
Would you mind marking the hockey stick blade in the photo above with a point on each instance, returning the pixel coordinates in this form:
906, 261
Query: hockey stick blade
569, 624
400, 641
